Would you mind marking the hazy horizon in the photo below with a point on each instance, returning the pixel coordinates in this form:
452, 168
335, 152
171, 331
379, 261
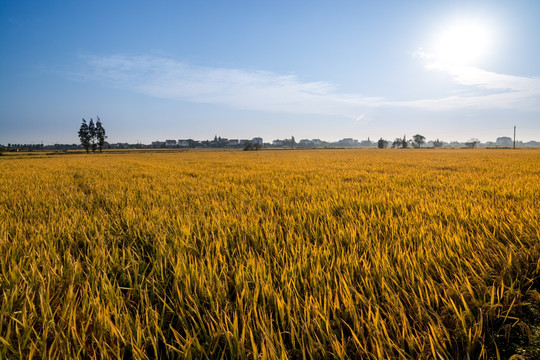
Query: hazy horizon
451, 70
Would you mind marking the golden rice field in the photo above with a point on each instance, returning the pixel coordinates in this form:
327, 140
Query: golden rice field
336, 254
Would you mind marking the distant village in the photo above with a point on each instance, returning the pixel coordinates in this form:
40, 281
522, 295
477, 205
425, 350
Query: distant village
257, 142
220, 142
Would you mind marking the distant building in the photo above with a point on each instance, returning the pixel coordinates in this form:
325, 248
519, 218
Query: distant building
278, 143
234, 142
257, 140
183, 143
530, 143
504, 141
170, 143
472, 143
367, 143
348, 142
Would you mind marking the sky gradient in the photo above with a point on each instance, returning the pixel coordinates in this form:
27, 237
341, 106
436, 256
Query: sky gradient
240, 69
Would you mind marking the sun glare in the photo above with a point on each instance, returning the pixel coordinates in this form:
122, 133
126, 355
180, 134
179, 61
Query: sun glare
463, 42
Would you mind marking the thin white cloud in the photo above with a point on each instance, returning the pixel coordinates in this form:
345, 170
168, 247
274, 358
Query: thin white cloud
267, 91
485, 89
244, 89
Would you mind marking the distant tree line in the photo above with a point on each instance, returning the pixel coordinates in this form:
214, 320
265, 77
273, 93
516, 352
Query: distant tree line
21, 147
416, 142
92, 135
38, 147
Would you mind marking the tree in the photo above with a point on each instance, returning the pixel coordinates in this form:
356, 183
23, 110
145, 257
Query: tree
397, 143
293, 142
251, 146
92, 132
381, 144
100, 134
84, 135
404, 143
418, 140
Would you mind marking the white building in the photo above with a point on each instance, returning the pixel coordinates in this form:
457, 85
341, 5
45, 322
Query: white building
504, 141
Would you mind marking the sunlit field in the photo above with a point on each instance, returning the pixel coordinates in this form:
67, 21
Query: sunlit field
361, 254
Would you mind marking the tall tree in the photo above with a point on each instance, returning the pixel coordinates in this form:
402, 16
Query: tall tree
381, 144
418, 140
84, 135
404, 143
100, 134
92, 132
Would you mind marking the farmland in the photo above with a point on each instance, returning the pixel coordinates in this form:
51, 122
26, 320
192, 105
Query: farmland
271, 254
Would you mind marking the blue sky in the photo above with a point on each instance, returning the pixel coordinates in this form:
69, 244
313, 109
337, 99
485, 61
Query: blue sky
239, 69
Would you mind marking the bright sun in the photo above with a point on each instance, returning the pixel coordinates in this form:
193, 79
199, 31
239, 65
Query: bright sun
463, 43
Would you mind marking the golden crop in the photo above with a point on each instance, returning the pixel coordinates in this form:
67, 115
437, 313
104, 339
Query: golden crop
272, 254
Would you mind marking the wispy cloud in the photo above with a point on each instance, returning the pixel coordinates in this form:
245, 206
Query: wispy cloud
244, 89
267, 91
485, 89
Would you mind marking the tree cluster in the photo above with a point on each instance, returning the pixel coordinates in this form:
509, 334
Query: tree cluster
92, 135
250, 146
437, 143
416, 142
400, 143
